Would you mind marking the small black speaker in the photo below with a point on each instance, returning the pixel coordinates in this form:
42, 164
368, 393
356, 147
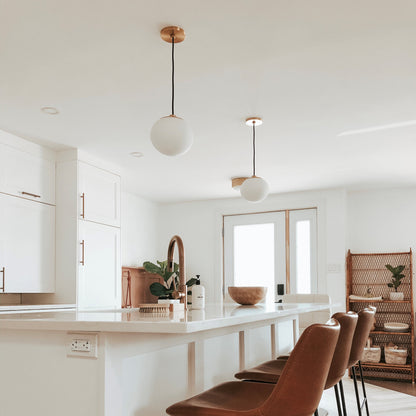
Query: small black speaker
280, 289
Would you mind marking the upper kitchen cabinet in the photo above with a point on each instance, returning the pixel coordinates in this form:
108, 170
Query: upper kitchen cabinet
99, 195
27, 175
27, 246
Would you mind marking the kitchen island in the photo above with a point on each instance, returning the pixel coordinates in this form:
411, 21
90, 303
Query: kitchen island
127, 363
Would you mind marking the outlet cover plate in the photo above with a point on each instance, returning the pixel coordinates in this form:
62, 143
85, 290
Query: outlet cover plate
82, 344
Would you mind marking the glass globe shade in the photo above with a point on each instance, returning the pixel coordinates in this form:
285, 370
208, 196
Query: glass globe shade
254, 189
172, 136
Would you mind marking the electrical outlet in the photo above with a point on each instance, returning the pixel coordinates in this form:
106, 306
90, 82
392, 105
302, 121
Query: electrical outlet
83, 344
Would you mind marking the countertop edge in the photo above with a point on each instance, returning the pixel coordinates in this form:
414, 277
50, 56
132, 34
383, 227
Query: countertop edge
243, 316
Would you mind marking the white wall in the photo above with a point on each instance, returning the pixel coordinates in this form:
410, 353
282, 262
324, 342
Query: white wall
382, 220
200, 224
139, 221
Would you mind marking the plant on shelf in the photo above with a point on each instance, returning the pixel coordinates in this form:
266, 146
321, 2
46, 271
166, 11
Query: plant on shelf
396, 281
170, 279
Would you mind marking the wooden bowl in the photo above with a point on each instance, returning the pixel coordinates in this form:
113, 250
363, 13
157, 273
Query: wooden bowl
245, 295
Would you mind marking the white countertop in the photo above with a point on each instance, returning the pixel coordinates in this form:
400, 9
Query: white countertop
7, 308
131, 320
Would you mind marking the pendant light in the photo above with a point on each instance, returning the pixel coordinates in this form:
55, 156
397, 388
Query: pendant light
171, 135
254, 189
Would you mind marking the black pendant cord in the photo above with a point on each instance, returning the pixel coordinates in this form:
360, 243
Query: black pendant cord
173, 75
254, 149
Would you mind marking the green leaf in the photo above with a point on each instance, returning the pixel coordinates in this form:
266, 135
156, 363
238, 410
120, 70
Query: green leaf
399, 269
167, 275
157, 289
191, 282
390, 267
163, 265
152, 268
390, 284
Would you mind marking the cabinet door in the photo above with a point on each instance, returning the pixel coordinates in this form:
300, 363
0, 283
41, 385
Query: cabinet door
99, 278
99, 195
25, 175
27, 245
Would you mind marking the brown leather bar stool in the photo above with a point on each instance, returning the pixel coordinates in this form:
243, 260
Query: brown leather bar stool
270, 371
297, 393
362, 331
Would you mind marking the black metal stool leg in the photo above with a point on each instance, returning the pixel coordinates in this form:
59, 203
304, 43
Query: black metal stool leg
341, 388
338, 400
363, 385
316, 412
357, 396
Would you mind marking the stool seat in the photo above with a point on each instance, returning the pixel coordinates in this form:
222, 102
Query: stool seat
267, 372
227, 399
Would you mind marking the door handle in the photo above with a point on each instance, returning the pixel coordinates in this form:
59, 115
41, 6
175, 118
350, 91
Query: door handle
3, 271
29, 194
83, 205
82, 262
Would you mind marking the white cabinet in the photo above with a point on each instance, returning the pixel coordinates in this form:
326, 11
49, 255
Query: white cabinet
26, 175
27, 245
99, 277
99, 195
88, 274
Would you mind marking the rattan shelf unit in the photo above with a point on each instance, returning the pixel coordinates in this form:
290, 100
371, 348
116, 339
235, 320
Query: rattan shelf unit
368, 271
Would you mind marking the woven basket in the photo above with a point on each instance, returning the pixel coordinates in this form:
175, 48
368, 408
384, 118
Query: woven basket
371, 355
395, 356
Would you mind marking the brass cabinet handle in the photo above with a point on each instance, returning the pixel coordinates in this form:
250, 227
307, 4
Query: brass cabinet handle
83, 205
29, 194
82, 253
3, 270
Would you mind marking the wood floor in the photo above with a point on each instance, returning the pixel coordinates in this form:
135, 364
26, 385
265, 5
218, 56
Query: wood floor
382, 401
401, 387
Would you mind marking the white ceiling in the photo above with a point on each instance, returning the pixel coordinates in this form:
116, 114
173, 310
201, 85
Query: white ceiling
310, 69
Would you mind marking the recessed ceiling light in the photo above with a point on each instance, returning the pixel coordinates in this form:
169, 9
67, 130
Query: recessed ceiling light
50, 110
136, 154
378, 128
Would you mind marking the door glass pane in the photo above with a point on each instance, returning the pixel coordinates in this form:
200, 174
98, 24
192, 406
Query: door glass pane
303, 256
254, 256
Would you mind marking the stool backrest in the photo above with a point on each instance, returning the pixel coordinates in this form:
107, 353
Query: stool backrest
362, 331
300, 387
348, 322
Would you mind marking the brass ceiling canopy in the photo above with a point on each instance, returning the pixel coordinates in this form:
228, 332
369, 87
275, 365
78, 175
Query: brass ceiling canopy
176, 32
237, 182
254, 121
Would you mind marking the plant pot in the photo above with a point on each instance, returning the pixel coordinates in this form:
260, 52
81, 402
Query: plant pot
396, 295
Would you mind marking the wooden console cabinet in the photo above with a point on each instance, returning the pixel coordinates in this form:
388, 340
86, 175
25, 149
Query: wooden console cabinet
139, 291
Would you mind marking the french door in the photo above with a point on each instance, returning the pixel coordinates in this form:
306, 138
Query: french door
254, 251
303, 251
272, 248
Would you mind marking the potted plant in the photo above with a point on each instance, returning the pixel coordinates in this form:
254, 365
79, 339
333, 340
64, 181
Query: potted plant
396, 281
170, 279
